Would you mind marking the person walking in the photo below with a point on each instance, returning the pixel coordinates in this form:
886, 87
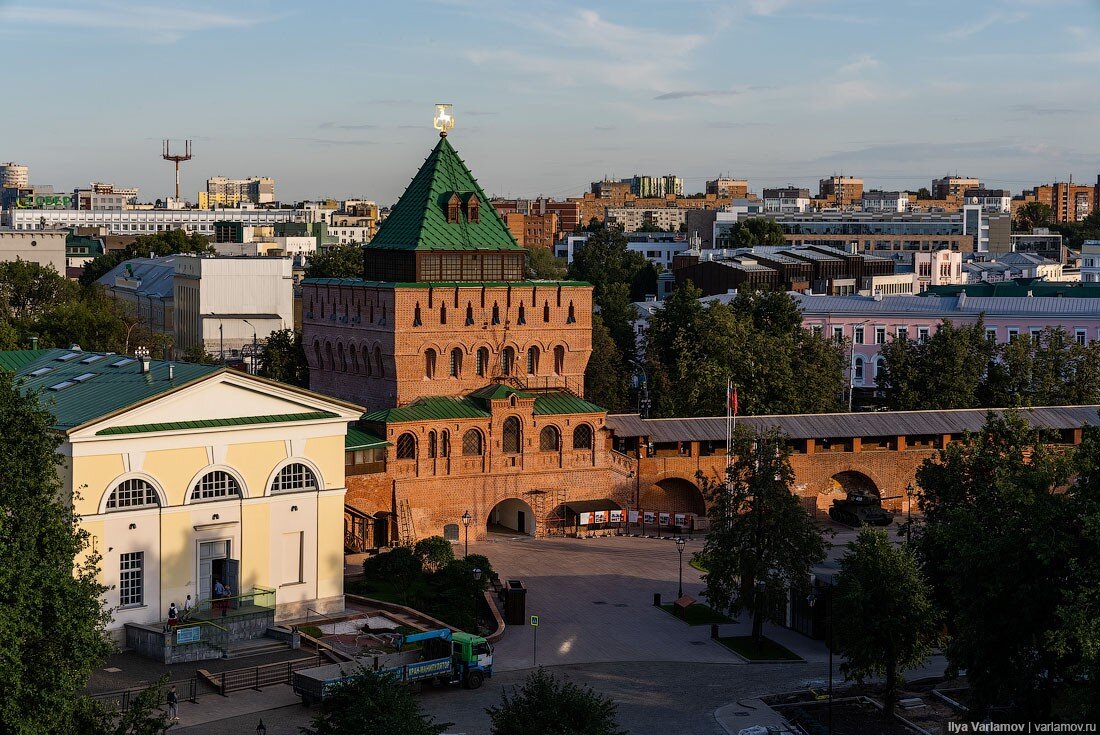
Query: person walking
188, 606
173, 615
173, 704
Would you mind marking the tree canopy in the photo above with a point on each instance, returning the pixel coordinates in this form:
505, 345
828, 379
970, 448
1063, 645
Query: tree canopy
283, 358
339, 261
543, 266
883, 618
372, 704
1009, 544
753, 231
757, 340
1032, 215
51, 614
546, 705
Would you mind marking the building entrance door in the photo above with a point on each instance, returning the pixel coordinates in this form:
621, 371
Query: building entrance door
213, 563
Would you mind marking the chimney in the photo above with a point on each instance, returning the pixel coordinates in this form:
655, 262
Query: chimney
171, 372
34, 343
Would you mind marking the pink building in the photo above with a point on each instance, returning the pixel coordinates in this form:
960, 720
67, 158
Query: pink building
869, 322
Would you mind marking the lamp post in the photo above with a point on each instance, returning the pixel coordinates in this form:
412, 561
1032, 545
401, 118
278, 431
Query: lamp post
680, 544
477, 591
253, 344
466, 518
909, 493
812, 600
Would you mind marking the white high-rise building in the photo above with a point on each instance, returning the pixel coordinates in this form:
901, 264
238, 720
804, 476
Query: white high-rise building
14, 176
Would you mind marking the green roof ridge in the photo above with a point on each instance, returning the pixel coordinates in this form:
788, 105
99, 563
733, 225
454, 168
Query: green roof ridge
278, 418
418, 221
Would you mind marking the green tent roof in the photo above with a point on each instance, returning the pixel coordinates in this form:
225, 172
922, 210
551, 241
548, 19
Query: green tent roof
476, 405
419, 219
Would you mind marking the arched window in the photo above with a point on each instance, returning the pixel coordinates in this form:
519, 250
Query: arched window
546, 311
522, 317
342, 357
572, 318
507, 359
366, 362
496, 313
548, 439
317, 355
456, 362
328, 356
429, 363
416, 315
559, 360
354, 352
532, 360
445, 443
406, 446
878, 368
582, 437
431, 444
471, 443
214, 485
858, 371
131, 494
469, 314
454, 204
510, 439
378, 361
443, 314
294, 477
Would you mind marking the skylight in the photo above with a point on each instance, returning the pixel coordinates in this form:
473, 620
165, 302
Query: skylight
62, 386
123, 361
92, 358
40, 371
69, 356
84, 377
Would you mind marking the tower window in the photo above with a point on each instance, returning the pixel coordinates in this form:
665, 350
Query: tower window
469, 315
532, 360
507, 358
496, 314
482, 360
416, 316
472, 209
456, 362
522, 317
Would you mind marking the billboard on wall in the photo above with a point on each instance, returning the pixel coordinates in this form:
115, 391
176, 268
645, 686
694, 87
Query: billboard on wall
666, 519
616, 516
650, 517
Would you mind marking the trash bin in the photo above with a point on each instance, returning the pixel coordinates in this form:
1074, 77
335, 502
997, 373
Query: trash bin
515, 603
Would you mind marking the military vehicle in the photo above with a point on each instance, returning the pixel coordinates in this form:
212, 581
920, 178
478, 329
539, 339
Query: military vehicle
859, 509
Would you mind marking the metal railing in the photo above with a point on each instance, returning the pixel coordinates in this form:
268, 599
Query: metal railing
259, 599
257, 677
121, 699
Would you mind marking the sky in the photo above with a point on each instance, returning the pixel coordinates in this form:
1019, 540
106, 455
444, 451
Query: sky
336, 98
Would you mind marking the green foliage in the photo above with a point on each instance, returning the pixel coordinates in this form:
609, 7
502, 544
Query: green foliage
1075, 233
284, 359
480, 561
605, 260
543, 266
51, 616
372, 704
759, 530
145, 246
144, 716
924, 193
605, 375
198, 355
1049, 370
693, 348
339, 261
1009, 549
398, 565
434, 552
945, 371
546, 705
883, 618
1032, 215
755, 231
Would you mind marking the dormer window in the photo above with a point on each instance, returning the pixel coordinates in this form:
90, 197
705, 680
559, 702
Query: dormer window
472, 206
454, 207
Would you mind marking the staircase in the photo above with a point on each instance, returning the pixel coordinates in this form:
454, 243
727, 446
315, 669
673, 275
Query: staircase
256, 647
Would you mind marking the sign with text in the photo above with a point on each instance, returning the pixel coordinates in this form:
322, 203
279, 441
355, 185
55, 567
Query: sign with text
616, 516
192, 634
650, 517
599, 516
585, 519
681, 519
666, 519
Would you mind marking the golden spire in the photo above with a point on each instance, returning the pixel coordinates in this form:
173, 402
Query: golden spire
444, 118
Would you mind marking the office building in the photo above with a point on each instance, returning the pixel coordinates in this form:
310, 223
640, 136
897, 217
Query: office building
728, 188
877, 200
669, 219
14, 176
147, 221
105, 196
230, 193
786, 200
840, 191
990, 200
533, 230
970, 231
953, 187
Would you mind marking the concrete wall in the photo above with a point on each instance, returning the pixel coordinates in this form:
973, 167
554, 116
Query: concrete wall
46, 248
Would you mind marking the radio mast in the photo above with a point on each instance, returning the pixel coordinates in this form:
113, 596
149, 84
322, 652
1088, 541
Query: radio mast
167, 155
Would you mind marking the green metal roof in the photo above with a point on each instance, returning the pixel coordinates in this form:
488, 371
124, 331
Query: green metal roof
550, 404
1019, 287
89, 385
280, 418
438, 284
13, 360
426, 409
498, 391
359, 439
419, 219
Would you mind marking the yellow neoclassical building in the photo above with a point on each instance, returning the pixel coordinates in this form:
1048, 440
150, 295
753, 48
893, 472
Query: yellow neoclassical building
189, 475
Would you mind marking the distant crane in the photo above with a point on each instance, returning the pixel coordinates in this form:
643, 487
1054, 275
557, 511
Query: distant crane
167, 155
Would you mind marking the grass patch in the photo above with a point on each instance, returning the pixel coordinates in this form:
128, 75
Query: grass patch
697, 565
311, 630
697, 614
768, 650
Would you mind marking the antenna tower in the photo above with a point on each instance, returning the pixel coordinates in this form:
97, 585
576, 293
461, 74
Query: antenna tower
167, 155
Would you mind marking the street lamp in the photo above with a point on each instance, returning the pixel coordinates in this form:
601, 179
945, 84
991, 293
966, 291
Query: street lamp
260, 729
253, 344
909, 493
811, 600
477, 591
680, 544
466, 518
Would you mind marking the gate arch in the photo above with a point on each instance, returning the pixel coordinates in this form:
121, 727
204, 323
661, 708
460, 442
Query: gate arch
851, 481
511, 515
674, 495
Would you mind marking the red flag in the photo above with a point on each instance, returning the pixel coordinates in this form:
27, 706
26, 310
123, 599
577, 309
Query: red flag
731, 397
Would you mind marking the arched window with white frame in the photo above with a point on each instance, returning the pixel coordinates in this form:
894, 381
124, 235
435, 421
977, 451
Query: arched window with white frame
133, 494
215, 485
294, 477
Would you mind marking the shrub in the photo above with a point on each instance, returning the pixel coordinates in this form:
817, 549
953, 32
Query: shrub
434, 552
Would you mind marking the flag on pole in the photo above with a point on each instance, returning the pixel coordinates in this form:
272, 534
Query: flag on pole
731, 397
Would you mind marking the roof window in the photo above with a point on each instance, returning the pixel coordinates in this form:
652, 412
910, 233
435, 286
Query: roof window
67, 357
123, 361
40, 371
92, 358
62, 386
84, 378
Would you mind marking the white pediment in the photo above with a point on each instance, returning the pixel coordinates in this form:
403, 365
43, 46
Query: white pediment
224, 396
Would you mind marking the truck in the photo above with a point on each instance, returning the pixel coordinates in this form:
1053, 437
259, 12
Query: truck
443, 657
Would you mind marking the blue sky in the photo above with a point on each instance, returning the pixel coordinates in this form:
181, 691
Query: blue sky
335, 98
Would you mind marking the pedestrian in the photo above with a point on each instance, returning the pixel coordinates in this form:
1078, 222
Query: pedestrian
188, 605
219, 593
173, 704
225, 603
173, 615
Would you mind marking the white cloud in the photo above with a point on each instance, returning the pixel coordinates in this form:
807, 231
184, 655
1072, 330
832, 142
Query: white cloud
985, 22
860, 64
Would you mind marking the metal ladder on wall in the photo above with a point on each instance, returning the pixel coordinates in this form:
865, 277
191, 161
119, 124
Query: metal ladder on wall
405, 518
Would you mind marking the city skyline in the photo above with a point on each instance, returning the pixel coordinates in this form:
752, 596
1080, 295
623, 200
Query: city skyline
548, 102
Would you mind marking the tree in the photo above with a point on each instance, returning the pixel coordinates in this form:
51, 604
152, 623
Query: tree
1048, 369
372, 704
434, 552
339, 261
923, 193
398, 565
759, 531
543, 266
1032, 215
1003, 531
199, 355
882, 616
283, 358
51, 614
943, 372
755, 231
28, 288
546, 705
605, 375
605, 259
144, 716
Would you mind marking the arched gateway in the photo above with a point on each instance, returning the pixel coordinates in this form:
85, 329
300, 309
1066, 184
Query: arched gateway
511, 515
673, 495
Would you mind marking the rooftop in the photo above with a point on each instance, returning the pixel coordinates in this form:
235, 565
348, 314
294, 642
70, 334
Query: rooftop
476, 405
